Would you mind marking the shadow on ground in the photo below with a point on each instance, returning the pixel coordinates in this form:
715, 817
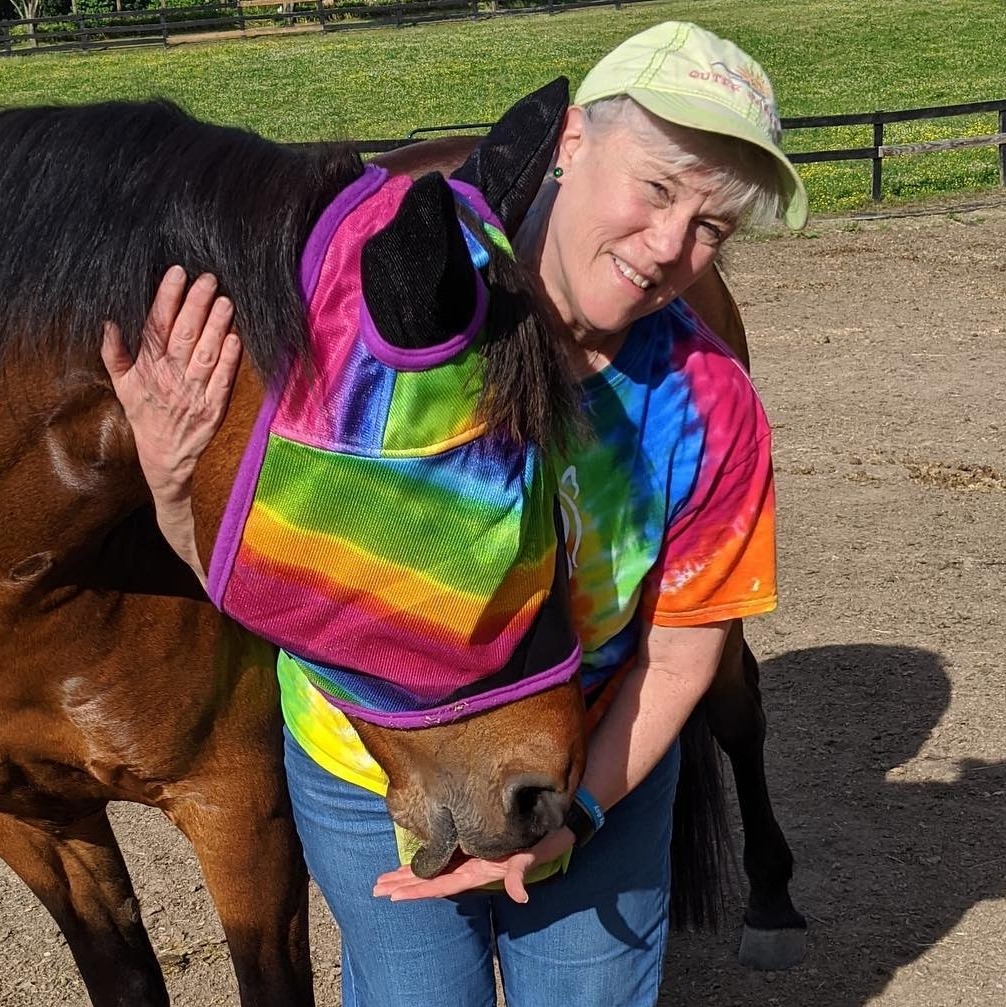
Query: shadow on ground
893, 847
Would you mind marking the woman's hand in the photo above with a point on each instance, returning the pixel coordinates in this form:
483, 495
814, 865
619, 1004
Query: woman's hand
175, 393
402, 885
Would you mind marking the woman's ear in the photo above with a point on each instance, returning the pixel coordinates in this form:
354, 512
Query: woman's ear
571, 136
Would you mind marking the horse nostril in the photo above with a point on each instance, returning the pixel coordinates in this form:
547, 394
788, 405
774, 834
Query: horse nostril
534, 800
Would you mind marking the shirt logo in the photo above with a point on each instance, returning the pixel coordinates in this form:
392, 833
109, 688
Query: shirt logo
572, 524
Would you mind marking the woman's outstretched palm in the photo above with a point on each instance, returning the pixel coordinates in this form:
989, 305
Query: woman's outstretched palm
401, 884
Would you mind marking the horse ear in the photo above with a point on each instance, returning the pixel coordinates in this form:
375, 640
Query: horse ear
508, 165
418, 280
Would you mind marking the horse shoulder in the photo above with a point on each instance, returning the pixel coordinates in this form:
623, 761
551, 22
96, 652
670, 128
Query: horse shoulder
710, 298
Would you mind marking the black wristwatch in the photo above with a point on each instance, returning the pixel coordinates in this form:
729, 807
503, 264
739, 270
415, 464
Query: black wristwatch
581, 820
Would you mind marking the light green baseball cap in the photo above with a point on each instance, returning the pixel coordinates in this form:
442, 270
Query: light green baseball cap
686, 75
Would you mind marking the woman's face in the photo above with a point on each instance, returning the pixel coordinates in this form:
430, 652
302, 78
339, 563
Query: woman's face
626, 234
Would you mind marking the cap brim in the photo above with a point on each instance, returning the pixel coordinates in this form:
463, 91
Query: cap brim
699, 113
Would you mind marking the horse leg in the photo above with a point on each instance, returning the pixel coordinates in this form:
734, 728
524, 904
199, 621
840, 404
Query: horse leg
77, 872
775, 934
241, 828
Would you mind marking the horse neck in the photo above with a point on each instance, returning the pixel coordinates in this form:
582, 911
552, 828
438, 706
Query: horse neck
218, 467
66, 451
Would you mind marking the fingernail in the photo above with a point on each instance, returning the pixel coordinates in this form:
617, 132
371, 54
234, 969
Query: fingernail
223, 304
207, 280
176, 274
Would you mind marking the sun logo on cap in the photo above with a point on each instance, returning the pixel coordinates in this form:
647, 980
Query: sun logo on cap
759, 90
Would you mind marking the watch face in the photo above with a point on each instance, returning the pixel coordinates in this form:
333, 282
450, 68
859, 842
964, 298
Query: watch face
580, 823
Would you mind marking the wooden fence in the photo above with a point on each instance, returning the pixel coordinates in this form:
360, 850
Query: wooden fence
876, 154
879, 150
90, 32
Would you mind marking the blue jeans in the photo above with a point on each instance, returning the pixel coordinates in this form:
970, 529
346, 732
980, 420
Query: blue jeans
594, 936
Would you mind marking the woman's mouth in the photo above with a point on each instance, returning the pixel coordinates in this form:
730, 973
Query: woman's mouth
637, 279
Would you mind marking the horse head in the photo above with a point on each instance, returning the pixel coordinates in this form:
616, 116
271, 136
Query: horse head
428, 582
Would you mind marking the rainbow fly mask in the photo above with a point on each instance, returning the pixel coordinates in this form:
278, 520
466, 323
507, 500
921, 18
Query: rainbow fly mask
405, 556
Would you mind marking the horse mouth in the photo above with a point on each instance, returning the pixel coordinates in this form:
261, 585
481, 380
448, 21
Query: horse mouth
498, 848
448, 849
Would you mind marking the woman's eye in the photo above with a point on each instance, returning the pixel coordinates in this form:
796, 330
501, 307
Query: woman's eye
659, 190
711, 233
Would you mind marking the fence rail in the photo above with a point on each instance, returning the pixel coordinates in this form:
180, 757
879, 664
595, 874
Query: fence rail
880, 150
877, 153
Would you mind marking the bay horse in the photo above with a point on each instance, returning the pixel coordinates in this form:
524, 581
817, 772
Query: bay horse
121, 682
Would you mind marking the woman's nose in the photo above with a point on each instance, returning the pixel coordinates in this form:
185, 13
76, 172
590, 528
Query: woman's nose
667, 240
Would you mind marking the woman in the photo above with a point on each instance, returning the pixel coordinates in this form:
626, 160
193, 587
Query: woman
671, 145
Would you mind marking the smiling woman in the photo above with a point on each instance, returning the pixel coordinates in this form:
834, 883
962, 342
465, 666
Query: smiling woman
672, 195
668, 512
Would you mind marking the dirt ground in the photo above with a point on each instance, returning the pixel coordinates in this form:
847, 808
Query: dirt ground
880, 350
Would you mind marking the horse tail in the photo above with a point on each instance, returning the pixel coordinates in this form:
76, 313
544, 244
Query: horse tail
701, 851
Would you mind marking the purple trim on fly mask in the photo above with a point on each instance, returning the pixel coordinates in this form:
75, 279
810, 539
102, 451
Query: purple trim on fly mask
449, 712
403, 359
228, 540
332, 216
477, 201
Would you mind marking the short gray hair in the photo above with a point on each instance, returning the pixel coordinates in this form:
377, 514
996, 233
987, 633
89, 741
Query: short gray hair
743, 175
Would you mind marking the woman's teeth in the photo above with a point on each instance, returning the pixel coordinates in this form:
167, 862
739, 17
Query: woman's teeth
630, 274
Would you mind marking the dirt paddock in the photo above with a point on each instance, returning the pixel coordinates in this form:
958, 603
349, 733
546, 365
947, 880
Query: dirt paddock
880, 350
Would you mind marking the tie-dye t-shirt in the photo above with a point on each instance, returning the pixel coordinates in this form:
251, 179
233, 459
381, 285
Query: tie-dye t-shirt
668, 512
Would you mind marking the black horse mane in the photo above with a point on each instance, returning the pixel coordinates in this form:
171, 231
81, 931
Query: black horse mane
103, 198
100, 199
529, 392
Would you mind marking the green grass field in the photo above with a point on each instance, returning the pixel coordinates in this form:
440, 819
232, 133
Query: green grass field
823, 57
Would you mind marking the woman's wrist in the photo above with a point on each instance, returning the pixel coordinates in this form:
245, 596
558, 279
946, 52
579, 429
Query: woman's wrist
169, 482
585, 816
178, 526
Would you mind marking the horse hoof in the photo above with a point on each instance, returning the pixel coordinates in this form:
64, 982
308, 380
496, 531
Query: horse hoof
769, 950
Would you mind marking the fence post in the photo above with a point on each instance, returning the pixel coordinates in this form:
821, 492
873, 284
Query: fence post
81, 35
321, 16
1002, 147
161, 16
878, 161
5, 39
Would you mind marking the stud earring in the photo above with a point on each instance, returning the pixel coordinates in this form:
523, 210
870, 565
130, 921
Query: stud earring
557, 172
